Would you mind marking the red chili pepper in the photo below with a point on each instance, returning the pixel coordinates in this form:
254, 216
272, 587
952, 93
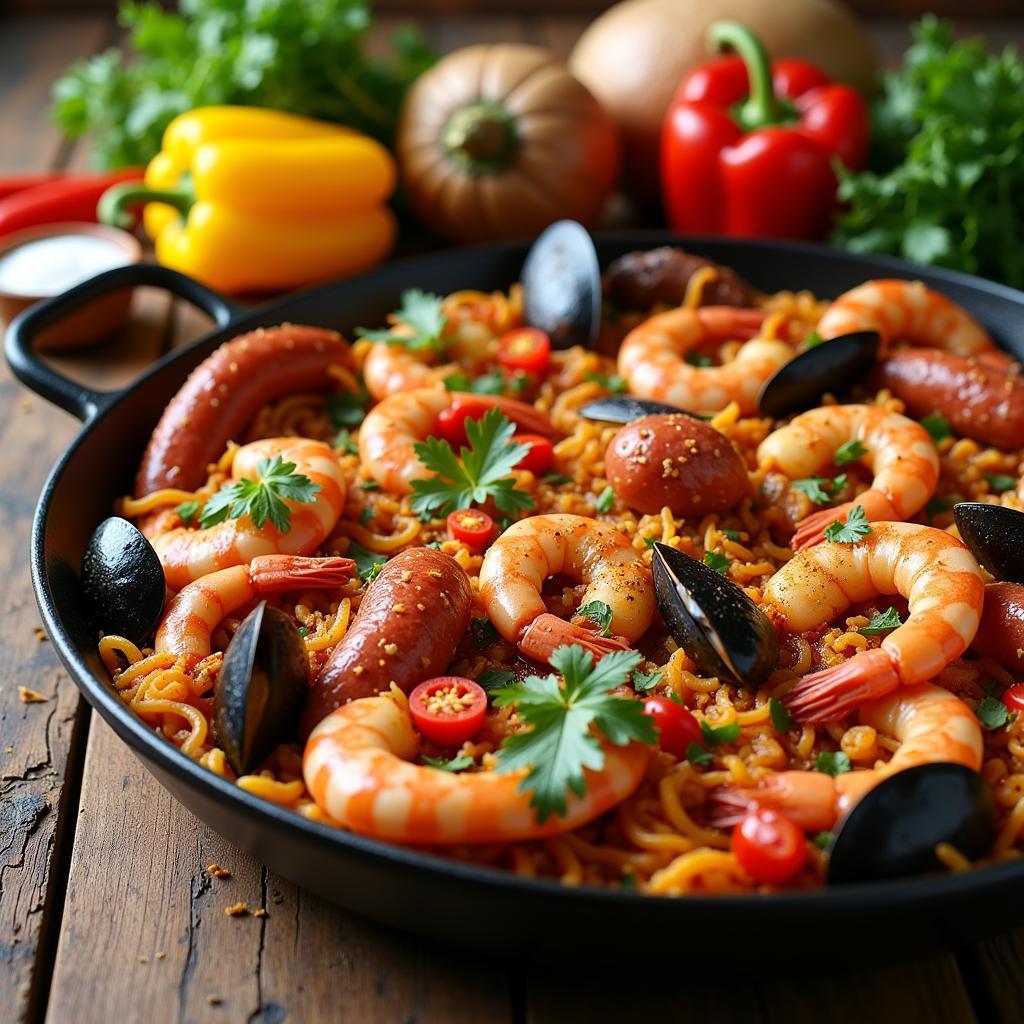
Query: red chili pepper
525, 348
10, 184
448, 710
747, 146
471, 527
69, 199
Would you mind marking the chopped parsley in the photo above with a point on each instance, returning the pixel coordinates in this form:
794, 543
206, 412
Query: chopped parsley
366, 515
820, 489
421, 312
484, 633
368, 563
187, 511
882, 623
477, 474
456, 764
650, 541
344, 443
720, 563
347, 408
698, 359
261, 499
936, 506
814, 339
568, 718
496, 678
556, 479
605, 500
823, 840
487, 384
722, 734
615, 384
731, 534
850, 530
696, 754
849, 452
999, 482
937, 426
992, 713
782, 720
833, 762
644, 682
597, 612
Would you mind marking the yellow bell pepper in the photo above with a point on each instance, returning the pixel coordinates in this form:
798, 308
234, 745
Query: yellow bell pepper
249, 200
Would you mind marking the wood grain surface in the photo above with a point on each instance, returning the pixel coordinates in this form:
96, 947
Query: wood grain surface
108, 911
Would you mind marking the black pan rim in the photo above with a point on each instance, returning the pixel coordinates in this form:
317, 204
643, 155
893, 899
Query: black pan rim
891, 896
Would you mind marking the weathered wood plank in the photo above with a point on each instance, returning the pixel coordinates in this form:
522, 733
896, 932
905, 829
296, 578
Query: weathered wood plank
994, 972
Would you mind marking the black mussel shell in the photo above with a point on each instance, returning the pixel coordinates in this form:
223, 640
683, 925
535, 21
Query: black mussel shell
831, 367
713, 620
562, 285
263, 684
894, 829
995, 535
625, 409
123, 581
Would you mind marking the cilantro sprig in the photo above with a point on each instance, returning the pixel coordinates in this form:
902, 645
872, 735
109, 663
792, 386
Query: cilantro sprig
477, 474
421, 312
853, 528
261, 499
849, 452
568, 718
820, 489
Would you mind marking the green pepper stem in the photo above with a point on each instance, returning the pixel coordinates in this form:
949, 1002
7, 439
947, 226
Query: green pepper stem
114, 205
762, 106
481, 138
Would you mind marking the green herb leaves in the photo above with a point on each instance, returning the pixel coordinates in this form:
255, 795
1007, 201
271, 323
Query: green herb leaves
782, 720
368, 563
567, 719
605, 500
476, 475
992, 713
937, 426
820, 489
261, 499
833, 762
1000, 482
882, 623
850, 530
849, 452
457, 764
719, 562
599, 613
422, 316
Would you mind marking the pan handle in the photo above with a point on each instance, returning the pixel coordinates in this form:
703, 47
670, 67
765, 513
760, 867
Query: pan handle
77, 399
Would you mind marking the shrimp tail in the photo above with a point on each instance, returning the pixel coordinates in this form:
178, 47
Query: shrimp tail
809, 799
271, 573
841, 689
548, 632
727, 805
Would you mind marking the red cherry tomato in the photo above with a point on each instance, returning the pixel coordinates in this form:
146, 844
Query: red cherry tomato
525, 348
472, 527
677, 728
541, 456
448, 710
769, 846
1014, 698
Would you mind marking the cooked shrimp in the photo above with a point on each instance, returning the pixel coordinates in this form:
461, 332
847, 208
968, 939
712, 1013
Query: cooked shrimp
905, 311
932, 726
390, 368
937, 575
196, 611
392, 428
528, 552
356, 767
899, 452
653, 358
188, 554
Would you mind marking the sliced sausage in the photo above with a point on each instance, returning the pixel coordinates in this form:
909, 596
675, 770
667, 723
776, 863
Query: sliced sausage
1001, 631
406, 630
226, 390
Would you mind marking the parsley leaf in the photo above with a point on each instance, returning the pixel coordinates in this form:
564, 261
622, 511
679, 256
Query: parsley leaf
1000, 482
823, 840
615, 384
814, 339
833, 762
347, 408
564, 717
820, 489
456, 764
487, 384
698, 359
696, 754
722, 734
782, 720
849, 452
605, 500
889, 619
344, 443
937, 426
850, 530
370, 485
556, 479
484, 633
731, 534
421, 312
720, 563
187, 511
368, 563
496, 678
597, 612
366, 515
476, 475
936, 506
263, 498
992, 713
644, 682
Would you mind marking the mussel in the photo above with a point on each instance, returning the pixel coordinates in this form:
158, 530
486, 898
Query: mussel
262, 686
562, 285
995, 535
894, 829
626, 408
123, 581
713, 620
831, 367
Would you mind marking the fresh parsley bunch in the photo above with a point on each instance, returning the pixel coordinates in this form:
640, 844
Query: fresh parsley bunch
302, 57
263, 498
421, 313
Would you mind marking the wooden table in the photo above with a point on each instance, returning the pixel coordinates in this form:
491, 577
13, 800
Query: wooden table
107, 911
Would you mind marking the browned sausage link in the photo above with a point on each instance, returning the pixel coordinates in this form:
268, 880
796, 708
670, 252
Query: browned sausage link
640, 280
1001, 632
980, 400
226, 390
407, 628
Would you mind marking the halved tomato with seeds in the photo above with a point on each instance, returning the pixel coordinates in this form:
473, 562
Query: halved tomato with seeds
448, 710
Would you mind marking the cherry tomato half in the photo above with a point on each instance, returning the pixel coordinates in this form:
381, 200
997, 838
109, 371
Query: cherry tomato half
677, 728
525, 348
472, 527
541, 456
448, 710
769, 846
1014, 698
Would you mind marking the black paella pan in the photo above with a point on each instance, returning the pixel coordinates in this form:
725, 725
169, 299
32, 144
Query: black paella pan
420, 891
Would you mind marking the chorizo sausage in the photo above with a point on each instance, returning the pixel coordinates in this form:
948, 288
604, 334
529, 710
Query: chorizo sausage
1001, 631
979, 398
640, 280
226, 390
407, 628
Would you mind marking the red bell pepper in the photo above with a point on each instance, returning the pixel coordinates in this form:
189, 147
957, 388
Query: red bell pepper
12, 183
67, 199
747, 146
